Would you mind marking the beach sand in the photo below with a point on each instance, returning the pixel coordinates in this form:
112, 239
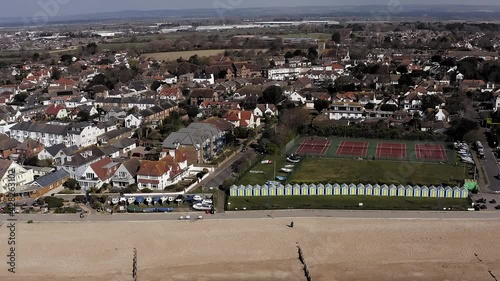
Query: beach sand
257, 249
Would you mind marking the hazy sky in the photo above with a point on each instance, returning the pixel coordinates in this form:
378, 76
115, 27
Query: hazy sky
26, 8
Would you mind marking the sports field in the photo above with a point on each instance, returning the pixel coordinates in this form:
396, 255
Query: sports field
342, 170
347, 202
375, 149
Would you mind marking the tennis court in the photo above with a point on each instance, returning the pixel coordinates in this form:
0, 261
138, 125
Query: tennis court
318, 147
431, 152
391, 150
352, 148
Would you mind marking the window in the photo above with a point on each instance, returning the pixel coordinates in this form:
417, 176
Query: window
89, 175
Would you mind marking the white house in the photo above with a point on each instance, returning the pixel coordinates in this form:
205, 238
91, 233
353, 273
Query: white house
125, 174
157, 175
97, 173
265, 109
13, 175
133, 121
204, 78
346, 111
296, 97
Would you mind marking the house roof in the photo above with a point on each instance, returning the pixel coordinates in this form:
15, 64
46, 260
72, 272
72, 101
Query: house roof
53, 150
54, 109
8, 143
219, 123
157, 168
84, 155
51, 178
202, 93
4, 166
42, 128
28, 145
104, 168
194, 134
132, 166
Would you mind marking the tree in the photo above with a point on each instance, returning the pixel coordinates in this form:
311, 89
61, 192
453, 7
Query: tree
336, 37
91, 48
389, 107
192, 111
56, 73
460, 127
156, 85
72, 184
295, 118
320, 105
430, 101
272, 95
20, 98
84, 116
406, 80
402, 69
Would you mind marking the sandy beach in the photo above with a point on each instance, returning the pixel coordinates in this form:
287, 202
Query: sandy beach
257, 249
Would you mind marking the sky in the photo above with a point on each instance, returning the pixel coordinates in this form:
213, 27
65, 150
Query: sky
27, 8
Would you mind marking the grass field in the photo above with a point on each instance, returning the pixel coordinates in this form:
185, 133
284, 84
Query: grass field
171, 56
346, 202
309, 35
268, 169
339, 170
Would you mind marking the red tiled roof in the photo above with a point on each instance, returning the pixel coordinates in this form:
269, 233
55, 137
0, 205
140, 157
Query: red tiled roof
102, 172
54, 109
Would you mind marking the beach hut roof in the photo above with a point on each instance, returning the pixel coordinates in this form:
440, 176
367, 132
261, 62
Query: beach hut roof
456, 188
242, 186
344, 185
328, 185
416, 187
448, 188
321, 186
312, 185
376, 186
281, 186
336, 185
432, 187
384, 186
296, 186
288, 186
352, 185
361, 185
424, 187
233, 186
256, 186
368, 186
249, 187
392, 186
304, 186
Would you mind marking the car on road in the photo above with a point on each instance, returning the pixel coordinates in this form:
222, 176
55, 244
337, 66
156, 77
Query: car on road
497, 207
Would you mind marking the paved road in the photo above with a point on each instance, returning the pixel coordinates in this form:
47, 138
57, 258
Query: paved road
224, 172
490, 165
292, 214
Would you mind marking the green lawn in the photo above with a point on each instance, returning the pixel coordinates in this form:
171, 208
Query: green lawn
346, 202
268, 169
339, 170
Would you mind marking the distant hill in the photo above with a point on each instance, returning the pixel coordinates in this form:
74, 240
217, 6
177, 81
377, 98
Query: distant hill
370, 12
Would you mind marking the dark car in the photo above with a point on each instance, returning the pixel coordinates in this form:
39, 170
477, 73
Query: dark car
497, 207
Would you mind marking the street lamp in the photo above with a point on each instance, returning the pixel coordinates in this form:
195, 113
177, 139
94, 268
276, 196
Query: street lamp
229, 206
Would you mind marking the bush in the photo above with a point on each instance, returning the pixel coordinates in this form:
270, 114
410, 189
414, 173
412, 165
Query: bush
146, 190
66, 210
30, 221
53, 202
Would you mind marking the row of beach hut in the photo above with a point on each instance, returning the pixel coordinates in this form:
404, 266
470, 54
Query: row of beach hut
349, 189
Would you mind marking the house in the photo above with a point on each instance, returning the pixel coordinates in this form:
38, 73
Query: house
265, 109
399, 118
97, 173
158, 175
51, 151
242, 118
124, 145
219, 123
158, 113
297, 98
45, 184
126, 173
302, 83
7, 146
200, 95
437, 114
472, 85
200, 141
81, 134
114, 135
76, 161
133, 121
170, 93
344, 110
29, 148
412, 102
56, 112
209, 107
13, 175
204, 78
